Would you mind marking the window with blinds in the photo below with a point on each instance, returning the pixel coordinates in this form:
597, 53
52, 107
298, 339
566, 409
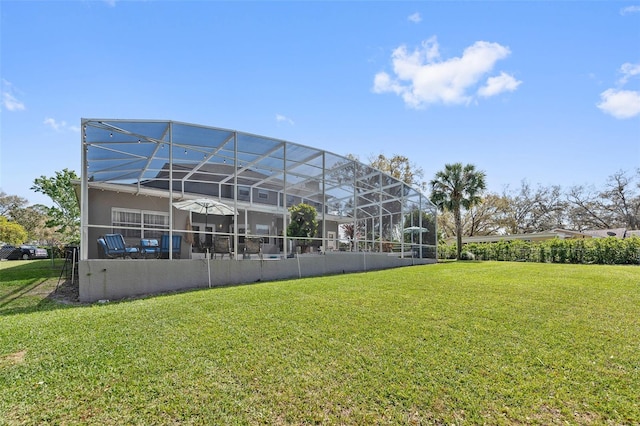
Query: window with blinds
137, 224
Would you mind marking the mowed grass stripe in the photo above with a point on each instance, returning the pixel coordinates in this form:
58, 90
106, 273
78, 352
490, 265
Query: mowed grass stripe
495, 343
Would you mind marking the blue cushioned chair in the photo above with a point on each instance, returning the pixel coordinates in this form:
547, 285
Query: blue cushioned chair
149, 248
176, 244
102, 249
114, 246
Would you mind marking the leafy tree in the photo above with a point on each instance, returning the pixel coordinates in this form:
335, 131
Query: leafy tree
10, 203
65, 215
34, 220
455, 188
11, 232
304, 224
350, 233
401, 168
419, 219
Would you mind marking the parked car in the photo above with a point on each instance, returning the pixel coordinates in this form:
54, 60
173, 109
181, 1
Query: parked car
24, 252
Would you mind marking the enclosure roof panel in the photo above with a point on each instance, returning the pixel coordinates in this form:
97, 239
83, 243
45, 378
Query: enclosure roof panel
150, 152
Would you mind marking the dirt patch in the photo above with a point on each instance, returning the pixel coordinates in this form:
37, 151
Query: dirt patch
66, 292
57, 290
13, 359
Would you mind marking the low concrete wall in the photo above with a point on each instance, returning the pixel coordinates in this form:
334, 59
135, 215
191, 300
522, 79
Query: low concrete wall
120, 278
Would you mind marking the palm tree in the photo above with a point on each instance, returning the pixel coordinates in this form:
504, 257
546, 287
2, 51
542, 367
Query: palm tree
457, 187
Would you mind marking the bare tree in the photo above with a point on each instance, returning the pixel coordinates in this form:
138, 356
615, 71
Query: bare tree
535, 210
487, 218
586, 209
618, 205
621, 200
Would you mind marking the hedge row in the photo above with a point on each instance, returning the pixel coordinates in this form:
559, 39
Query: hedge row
594, 250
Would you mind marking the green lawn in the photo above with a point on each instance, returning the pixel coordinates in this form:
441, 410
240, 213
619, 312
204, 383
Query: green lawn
25, 285
453, 343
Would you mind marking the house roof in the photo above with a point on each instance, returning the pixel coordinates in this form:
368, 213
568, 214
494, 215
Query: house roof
604, 233
554, 233
511, 237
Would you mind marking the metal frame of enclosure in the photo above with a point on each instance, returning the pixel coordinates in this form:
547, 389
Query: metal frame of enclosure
358, 207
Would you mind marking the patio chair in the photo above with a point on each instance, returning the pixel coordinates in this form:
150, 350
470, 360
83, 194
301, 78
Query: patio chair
115, 246
252, 245
222, 246
102, 249
176, 246
149, 248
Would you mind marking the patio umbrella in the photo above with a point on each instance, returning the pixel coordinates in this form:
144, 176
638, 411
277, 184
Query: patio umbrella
414, 230
205, 206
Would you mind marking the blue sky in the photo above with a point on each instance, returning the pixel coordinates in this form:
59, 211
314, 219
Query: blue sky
543, 91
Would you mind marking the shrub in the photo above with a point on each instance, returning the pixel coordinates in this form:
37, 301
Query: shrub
467, 255
609, 250
447, 251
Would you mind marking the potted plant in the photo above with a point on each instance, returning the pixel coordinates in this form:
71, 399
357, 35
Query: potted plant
303, 225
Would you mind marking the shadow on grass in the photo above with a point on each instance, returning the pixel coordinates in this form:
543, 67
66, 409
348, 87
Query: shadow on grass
35, 286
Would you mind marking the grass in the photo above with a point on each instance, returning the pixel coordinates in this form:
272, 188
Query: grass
25, 285
453, 343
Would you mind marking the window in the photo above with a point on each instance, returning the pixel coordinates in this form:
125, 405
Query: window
263, 194
243, 192
137, 224
126, 222
262, 229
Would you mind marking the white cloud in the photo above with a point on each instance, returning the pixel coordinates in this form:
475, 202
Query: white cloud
110, 3
382, 83
432, 49
54, 124
59, 126
496, 85
415, 18
620, 103
629, 9
9, 101
283, 119
421, 78
629, 70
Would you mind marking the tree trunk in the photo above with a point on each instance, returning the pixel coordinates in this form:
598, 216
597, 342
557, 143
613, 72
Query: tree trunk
458, 221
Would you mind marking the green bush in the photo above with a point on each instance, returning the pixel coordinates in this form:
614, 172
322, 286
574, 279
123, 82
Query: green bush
447, 251
605, 251
467, 255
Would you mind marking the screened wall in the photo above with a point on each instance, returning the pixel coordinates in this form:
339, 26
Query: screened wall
358, 208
